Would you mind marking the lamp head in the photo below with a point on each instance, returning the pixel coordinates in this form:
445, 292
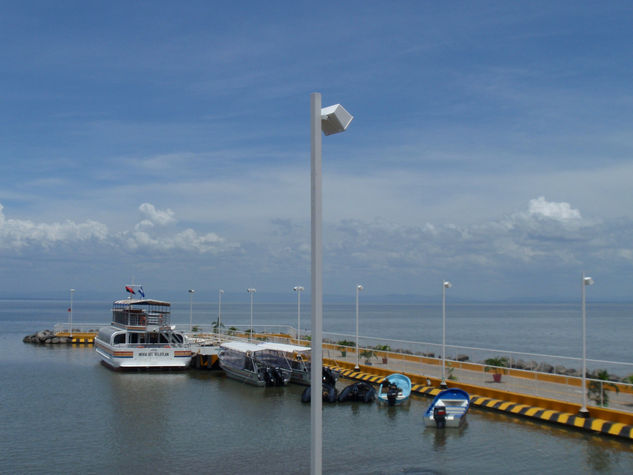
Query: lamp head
297, 288
191, 291
335, 119
588, 281
360, 287
221, 291
447, 284
251, 290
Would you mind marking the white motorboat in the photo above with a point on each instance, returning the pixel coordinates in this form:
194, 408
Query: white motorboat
141, 336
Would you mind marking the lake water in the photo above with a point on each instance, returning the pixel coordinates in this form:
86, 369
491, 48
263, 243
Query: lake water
63, 412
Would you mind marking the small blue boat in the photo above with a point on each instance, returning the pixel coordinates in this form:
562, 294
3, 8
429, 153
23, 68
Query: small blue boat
397, 389
448, 409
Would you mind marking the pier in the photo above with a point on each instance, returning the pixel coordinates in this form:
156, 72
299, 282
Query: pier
546, 397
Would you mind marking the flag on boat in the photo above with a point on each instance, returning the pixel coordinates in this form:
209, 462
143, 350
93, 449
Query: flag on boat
69, 309
140, 291
129, 289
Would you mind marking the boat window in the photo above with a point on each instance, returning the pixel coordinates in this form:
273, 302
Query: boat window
233, 358
177, 337
133, 337
119, 339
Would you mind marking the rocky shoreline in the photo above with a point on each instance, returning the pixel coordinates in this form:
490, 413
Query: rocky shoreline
46, 337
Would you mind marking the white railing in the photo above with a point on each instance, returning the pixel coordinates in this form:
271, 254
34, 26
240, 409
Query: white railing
78, 327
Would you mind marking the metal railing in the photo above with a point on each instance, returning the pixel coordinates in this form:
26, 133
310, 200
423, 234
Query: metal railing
78, 327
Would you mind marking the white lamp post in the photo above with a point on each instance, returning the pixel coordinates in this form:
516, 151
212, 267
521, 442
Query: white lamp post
191, 291
251, 291
445, 285
584, 283
329, 120
359, 288
298, 289
220, 292
70, 325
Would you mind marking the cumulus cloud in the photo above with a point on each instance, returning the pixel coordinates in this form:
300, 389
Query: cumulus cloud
187, 240
22, 234
18, 233
156, 216
560, 211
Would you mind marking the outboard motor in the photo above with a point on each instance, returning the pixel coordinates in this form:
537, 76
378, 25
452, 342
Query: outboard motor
278, 377
439, 415
392, 394
269, 378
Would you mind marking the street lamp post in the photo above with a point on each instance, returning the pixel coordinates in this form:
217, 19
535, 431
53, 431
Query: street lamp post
584, 283
445, 285
359, 288
191, 291
329, 120
251, 291
298, 289
70, 325
220, 292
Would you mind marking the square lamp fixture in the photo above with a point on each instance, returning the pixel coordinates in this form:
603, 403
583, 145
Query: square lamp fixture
335, 119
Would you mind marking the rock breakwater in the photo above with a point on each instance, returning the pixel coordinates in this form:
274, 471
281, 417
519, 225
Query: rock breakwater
46, 337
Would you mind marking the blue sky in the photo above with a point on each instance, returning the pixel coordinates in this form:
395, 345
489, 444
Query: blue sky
169, 143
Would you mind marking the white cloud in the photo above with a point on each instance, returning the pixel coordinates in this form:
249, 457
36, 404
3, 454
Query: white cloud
17, 233
559, 211
157, 216
24, 234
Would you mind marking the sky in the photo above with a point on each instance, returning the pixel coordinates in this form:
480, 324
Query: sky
168, 144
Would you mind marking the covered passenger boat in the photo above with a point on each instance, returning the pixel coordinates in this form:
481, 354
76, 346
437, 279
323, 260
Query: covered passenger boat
141, 336
297, 356
254, 364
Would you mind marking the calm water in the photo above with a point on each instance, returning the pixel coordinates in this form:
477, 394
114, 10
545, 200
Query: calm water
62, 412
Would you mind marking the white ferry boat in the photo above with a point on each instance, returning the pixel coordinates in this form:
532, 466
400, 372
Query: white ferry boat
141, 337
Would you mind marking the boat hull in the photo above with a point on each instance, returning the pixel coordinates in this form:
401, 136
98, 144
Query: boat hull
397, 389
454, 404
242, 375
139, 357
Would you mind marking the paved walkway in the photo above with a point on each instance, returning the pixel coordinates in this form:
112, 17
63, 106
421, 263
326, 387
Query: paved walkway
529, 385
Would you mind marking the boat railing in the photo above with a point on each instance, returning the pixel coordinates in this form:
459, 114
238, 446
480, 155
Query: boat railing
151, 345
78, 327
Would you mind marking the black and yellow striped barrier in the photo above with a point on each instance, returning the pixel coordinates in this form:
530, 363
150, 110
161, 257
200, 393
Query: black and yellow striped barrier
82, 341
570, 420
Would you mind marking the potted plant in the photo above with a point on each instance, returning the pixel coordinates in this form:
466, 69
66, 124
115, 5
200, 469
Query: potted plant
598, 388
385, 348
496, 366
368, 355
345, 344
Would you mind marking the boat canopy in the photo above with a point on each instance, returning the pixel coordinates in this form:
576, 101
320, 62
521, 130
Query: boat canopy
286, 348
242, 346
141, 302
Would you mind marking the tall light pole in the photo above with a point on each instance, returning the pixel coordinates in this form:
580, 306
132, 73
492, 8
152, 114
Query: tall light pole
298, 289
70, 325
329, 120
220, 292
251, 291
191, 291
359, 288
584, 283
445, 285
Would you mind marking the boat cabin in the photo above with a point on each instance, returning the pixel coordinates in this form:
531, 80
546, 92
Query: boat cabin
135, 313
118, 337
